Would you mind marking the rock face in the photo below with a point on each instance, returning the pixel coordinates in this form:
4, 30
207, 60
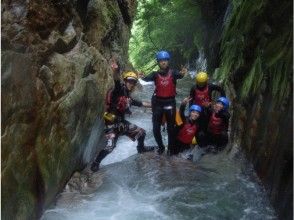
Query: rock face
256, 67
55, 73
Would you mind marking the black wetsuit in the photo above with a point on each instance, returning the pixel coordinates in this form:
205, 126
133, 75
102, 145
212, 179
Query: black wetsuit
211, 87
166, 106
217, 136
120, 126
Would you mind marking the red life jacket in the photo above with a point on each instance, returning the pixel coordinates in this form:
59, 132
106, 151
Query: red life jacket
165, 86
215, 124
187, 133
122, 103
202, 96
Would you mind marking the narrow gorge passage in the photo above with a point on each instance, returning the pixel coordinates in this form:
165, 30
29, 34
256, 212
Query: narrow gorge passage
148, 186
55, 72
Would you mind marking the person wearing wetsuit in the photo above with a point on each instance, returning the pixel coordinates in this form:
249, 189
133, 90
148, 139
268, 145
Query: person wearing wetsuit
163, 99
218, 124
189, 128
118, 102
201, 94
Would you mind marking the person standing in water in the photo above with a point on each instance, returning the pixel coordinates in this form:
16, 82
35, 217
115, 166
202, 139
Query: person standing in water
118, 102
163, 99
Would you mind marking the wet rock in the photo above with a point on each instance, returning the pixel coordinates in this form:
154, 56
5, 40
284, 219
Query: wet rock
53, 84
64, 43
256, 64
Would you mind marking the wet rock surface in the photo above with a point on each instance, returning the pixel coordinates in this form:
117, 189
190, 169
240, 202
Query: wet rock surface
256, 66
54, 75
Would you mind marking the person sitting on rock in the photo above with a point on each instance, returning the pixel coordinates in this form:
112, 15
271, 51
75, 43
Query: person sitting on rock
118, 102
189, 128
218, 124
163, 99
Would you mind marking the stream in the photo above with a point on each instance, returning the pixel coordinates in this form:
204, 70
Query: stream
149, 186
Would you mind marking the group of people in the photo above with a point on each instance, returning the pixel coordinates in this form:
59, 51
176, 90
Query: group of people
207, 121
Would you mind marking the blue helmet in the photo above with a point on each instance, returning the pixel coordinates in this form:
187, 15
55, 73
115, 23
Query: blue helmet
196, 108
224, 101
162, 55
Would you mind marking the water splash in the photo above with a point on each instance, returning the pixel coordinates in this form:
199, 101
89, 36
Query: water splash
200, 63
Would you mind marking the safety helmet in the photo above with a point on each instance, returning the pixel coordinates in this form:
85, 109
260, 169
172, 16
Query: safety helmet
162, 55
201, 78
130, 76
195, 108
224, 101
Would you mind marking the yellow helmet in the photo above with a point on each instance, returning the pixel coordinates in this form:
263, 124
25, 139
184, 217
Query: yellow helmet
130, 75
201, 78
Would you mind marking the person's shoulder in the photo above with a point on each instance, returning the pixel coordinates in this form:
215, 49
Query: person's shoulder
153, 73
214, 84
174, 71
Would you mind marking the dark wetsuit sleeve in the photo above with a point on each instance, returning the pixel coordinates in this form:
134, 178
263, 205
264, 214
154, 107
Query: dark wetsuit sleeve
225, 116
192, 95
137, 103
214, 87
177, 75
150, 77
117, 87
182, 112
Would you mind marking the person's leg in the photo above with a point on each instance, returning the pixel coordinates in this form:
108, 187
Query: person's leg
157, 115
222, 141
170, 115
201, 138
180, 147
111, 139
177, 147
136, 133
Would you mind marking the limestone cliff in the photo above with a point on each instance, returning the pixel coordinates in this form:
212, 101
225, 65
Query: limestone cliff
54, 75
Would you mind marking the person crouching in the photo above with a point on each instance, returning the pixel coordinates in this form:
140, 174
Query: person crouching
189, 128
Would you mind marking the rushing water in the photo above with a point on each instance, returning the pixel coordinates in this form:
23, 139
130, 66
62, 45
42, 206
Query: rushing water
130, 186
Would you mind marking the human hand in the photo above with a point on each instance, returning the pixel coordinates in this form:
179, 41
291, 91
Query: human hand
141, 74
207, 104
186, 100
183, 70
217, 107
114, 65
147, 104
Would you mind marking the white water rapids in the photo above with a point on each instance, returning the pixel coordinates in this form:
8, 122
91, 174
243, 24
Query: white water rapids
149, 186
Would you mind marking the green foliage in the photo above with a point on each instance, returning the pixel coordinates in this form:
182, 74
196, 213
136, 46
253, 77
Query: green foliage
258, 39
170, 25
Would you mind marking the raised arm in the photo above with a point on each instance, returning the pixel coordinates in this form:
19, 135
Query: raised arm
218, 88
148, 78
183, 107
192, 95
115, 69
